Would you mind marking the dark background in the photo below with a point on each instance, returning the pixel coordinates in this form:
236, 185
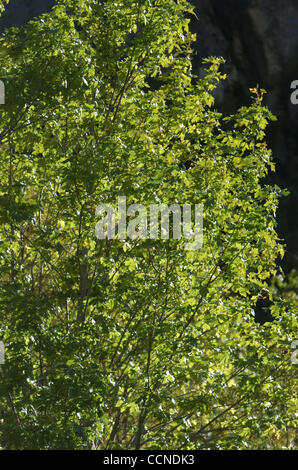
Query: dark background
259, 40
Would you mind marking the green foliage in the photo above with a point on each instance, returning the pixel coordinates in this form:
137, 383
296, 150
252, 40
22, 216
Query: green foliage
2, 5
136, 344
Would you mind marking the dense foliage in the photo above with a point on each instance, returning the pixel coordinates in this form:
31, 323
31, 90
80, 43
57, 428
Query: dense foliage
136, 343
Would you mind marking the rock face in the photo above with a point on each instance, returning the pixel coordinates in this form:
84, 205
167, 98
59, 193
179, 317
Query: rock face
259, 40
19, 12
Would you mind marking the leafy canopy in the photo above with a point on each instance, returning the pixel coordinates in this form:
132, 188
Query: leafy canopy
135, 344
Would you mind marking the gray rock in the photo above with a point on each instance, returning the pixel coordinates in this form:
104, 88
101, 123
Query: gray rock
259, 40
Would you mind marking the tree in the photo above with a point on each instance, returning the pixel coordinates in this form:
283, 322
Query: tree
2, 5
136, 343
